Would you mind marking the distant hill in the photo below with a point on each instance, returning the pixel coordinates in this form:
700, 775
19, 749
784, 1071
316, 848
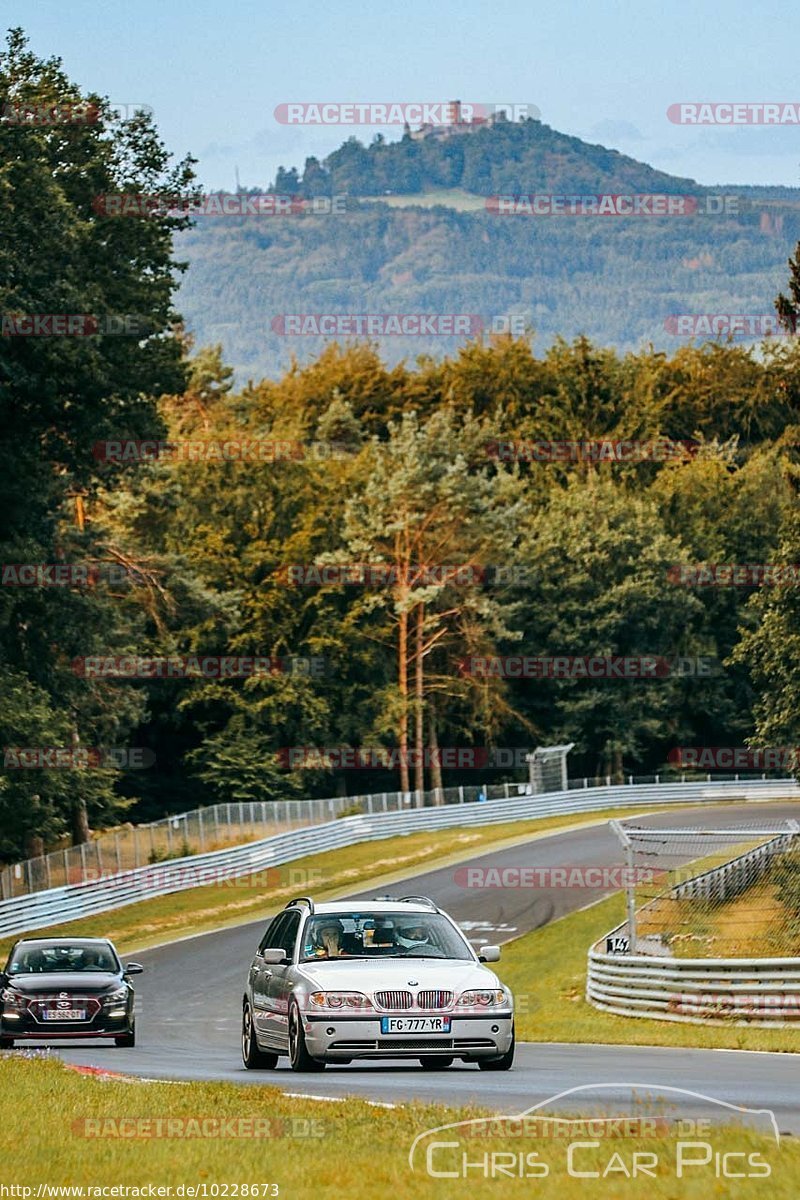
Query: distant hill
431, 246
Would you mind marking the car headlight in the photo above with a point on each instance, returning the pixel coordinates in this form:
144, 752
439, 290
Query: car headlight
494, 999
13, 1002
118, 996
339, 1000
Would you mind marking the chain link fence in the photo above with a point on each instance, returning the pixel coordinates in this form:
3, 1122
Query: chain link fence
701, 893
213, 828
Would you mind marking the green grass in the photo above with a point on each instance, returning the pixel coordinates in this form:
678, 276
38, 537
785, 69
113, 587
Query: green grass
547, 971
319, 1151
325, 876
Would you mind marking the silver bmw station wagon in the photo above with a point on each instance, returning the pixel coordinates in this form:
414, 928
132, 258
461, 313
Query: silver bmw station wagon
373, 979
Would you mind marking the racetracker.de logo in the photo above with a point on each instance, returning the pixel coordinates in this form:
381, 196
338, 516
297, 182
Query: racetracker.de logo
73, 325
734, 758
609, 879
135, 758
724, 575
610, 204
217, 204
378, 324
379, 575
601, 450
736, 113
194, 666
742, 325
432, 115
613, 666
372, 758
210, 450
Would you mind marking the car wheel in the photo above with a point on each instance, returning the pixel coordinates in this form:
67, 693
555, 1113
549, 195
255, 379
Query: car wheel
503, 1063
6, 1043
299, 1057
435, 1062
252, 1057
127, 1039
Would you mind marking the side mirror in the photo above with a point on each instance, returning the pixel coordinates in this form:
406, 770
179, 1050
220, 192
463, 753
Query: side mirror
3, 979
489, 954
133, 969
274, 956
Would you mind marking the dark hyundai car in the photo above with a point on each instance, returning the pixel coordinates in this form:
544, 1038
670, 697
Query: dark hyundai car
56, 988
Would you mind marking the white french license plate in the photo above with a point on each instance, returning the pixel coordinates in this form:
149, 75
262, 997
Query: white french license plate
64, 1014
415, 1024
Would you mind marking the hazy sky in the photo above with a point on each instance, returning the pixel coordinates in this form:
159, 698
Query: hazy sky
214, 71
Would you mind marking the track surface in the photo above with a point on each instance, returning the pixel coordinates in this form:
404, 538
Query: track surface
190, 1003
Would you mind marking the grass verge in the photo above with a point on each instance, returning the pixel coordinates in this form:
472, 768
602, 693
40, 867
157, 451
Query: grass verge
256, 896
547, 971
59, 1129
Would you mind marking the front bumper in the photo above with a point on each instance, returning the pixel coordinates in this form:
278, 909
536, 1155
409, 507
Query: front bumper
100, 1024
470, 1037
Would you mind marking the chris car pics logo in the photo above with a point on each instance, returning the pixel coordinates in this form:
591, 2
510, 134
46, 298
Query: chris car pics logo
684, 1144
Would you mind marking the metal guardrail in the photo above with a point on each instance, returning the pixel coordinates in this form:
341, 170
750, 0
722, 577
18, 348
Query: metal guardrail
221, 826
762, 992
736, 876
119, 888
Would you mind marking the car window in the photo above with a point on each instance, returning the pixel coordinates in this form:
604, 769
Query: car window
382, 935
41, 959
272, 932
288, 934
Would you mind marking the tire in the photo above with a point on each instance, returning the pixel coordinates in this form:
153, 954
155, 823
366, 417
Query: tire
6, 1043
252, 1057
435, 1062
127, 1039
299, 1057
503, 1063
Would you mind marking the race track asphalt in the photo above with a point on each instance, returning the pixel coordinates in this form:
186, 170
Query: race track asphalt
189, 1003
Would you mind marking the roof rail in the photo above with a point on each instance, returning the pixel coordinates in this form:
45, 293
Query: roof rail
303, 900
419, 900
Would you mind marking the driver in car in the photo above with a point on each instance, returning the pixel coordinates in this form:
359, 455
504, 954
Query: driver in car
413, 934
329, 939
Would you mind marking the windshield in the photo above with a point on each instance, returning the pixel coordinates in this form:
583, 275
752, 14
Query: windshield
41, 959
381, 935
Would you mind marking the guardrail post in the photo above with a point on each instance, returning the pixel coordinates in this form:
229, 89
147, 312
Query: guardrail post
461, 793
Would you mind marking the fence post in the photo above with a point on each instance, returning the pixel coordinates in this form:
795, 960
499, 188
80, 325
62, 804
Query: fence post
66, 866
201, 830
461, 793
116, 847
47, 871
83, 862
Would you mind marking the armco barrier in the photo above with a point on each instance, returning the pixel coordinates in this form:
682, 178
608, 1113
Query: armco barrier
36, 911
763, 992
701, 991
